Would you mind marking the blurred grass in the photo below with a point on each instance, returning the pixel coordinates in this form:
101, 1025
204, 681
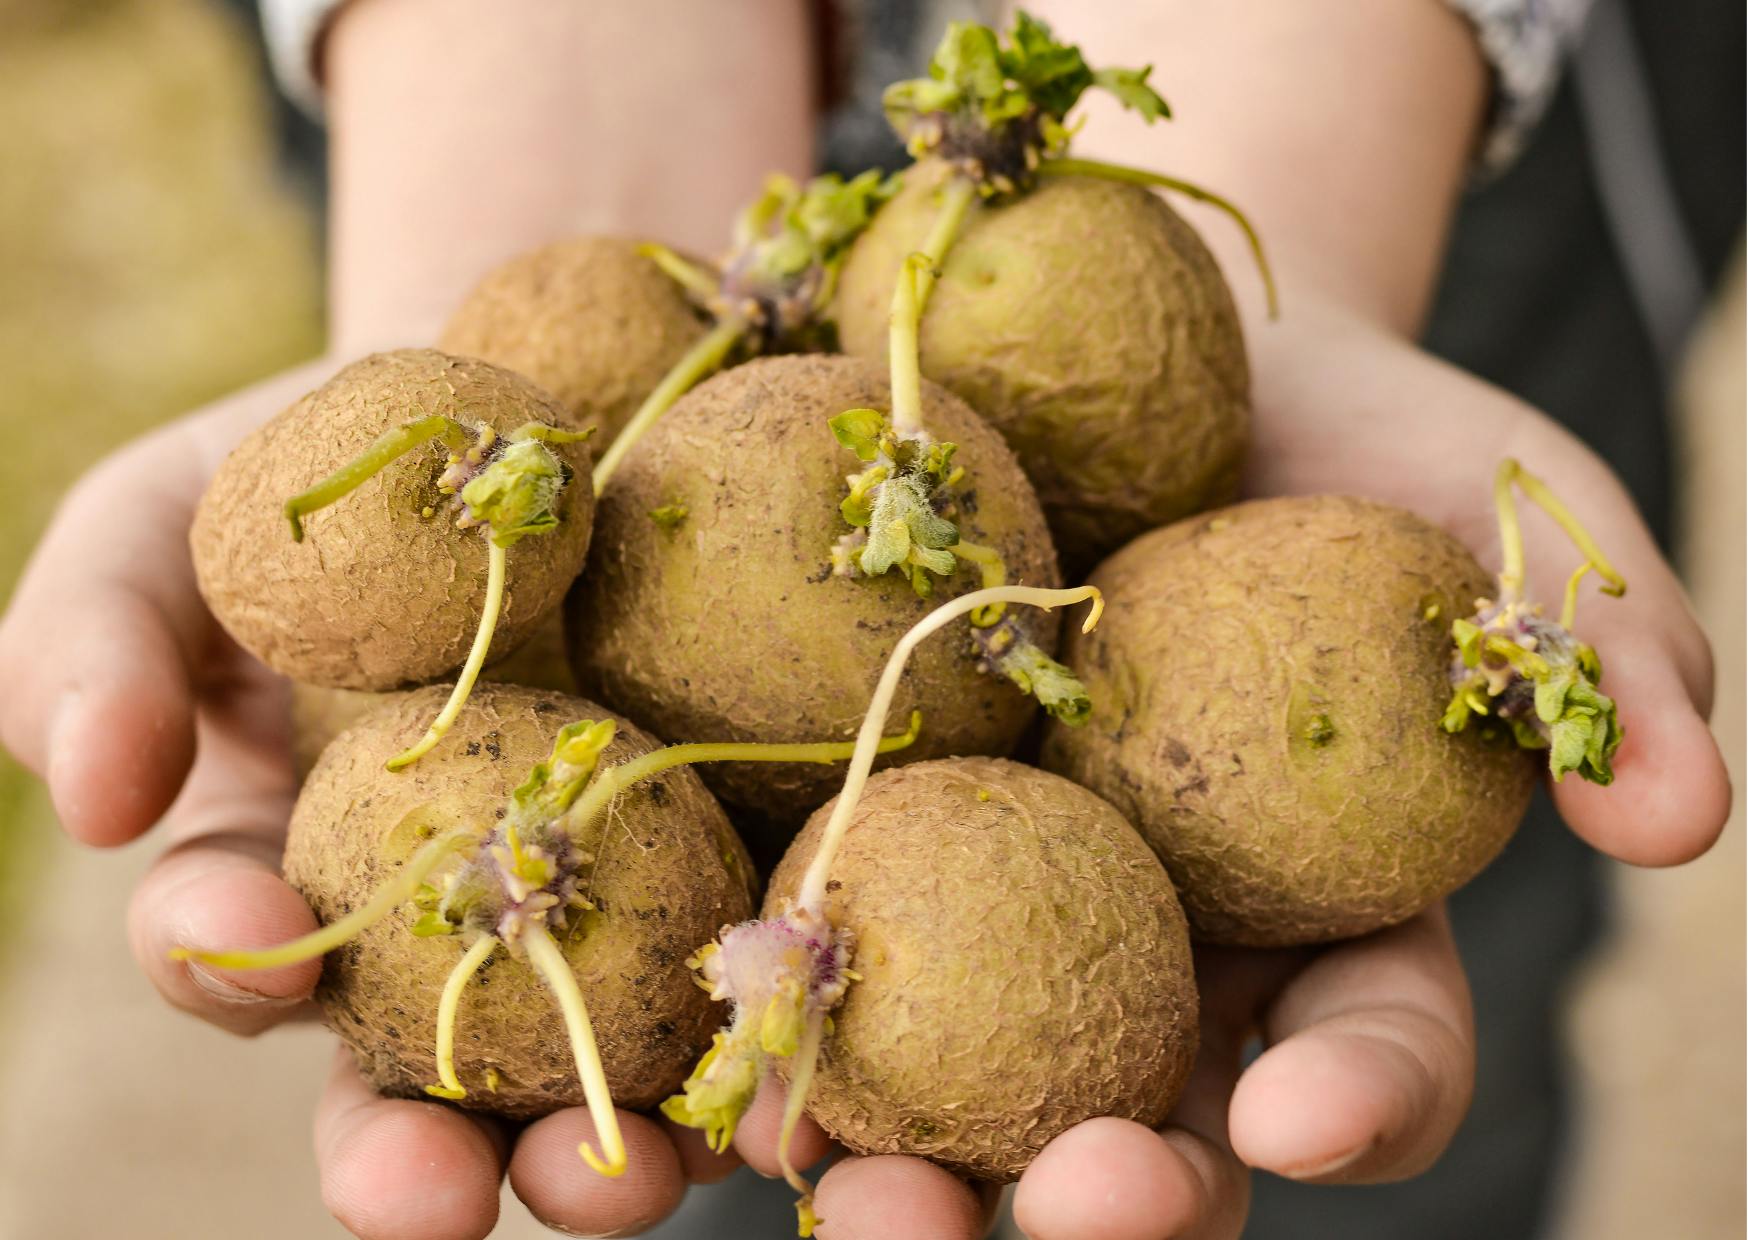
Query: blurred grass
150, 260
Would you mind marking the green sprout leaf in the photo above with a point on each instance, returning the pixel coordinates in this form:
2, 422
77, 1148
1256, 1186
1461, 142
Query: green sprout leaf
1057, 689
432, 924
904, 529
1021, 90
720, 1089
860, 430
669, 516
515, 495
1130, 88
790, 230
552, 785
1583, 728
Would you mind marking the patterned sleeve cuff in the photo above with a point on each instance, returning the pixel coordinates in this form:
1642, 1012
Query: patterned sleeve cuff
293, 29
1525, 43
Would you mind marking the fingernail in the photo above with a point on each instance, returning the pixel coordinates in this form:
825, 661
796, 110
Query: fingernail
228, 991
1339, 1163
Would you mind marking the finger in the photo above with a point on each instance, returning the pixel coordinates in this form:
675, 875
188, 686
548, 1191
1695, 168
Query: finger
98, 643
398, 1170
755, 1138
219, 886
1113, 1179
1671, 793
564, 1193
95, 647
698, 1162
1371, 1062
885, 1196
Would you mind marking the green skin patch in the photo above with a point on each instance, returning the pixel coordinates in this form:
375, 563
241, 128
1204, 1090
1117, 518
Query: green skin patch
1515, 664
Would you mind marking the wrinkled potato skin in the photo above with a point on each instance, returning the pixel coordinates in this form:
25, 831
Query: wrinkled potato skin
377, 595
669, 873
589, 319
1091, 326
732, 626
1267, 688
1024, 965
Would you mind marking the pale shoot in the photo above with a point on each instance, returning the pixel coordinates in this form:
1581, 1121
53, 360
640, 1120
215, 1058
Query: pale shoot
496, 562
388, 897
544, 954
701, 283
611, 781
701, 361
385, 451
1066, 166
956, 199
448, 1005
811, 894
907, 380
803, 1063
785, 975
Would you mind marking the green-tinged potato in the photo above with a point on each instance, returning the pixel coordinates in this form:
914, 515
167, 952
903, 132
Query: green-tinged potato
1022, 965
318, 715
667, 870
1267, 688
589, 319
379, 594
1092, 328
728, 623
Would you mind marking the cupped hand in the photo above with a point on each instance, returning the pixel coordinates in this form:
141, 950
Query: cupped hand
1367, 1073
126, 696
1368, 1064
1344, 406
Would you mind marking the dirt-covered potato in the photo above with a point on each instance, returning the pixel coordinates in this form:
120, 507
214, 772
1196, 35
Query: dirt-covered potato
1267, 688
383, 590
1021, 964
711, 610
589, 319
1090, 325
663, 871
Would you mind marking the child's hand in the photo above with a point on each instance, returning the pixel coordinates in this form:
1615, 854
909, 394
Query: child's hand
126, 696
1370, 1065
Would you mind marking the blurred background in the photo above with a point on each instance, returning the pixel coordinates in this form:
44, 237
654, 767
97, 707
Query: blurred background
153, 255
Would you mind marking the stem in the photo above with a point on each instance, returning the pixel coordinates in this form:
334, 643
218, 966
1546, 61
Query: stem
1569, 609
688, 275
805, 1059
447, 1007
373, 460
905, 358
610, 782
700, 361
496, 557
956, 199
1138, 176
390, 896
1510, 533
812, 893
550, 963
994, 572
1548, 502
